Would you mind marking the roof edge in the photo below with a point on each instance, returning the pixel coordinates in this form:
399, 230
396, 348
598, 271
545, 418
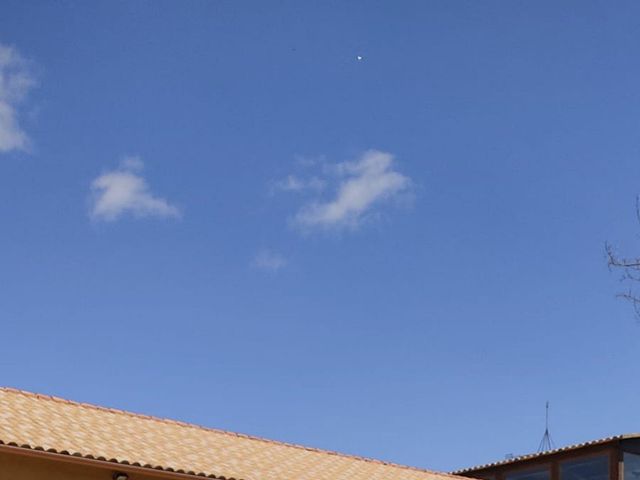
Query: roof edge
101, 462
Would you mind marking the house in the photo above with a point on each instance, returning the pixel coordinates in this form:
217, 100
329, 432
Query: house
43, 437
613, 458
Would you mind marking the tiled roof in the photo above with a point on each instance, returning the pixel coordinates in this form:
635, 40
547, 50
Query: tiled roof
530, 456
60, 426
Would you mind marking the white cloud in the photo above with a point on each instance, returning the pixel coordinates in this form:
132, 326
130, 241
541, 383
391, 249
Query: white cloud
124, 191
132, 163
16, 80
309, 162
292, 183
268, 260
363, 184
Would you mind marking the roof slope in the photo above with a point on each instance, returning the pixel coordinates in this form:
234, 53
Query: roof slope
60, 426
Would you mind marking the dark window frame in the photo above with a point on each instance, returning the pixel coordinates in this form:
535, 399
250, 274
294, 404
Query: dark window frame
531, 468
608, 454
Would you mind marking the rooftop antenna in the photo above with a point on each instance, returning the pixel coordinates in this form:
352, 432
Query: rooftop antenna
547, 442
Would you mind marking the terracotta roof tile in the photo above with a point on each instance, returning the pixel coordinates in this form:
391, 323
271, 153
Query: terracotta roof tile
60, 426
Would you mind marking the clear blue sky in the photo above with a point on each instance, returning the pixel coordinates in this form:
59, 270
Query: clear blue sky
217, 212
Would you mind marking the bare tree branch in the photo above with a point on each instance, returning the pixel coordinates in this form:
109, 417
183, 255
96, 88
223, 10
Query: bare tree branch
630, 268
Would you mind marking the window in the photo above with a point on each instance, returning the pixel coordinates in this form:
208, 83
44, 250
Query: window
631, 466
592, 468
537, 474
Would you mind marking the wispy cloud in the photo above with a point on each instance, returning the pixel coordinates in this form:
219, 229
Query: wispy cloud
269, 260
293, 183
306, 161
360, 186
16, 80
123, 191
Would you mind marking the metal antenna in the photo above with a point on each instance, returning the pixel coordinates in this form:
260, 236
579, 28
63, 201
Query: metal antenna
547, 442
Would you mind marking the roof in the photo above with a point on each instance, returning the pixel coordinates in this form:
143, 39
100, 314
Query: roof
532, 456
51, 424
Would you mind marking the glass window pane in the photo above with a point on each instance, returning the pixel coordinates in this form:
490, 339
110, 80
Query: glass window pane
538, 474
593, 468
631, 466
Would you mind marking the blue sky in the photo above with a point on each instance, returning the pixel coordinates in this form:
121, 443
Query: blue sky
214, 211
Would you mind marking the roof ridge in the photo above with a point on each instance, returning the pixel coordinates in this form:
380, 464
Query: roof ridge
216, 430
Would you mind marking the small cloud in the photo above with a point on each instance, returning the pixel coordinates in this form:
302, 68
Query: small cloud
16, 80
305, 161
132, 163
269, 260
122, 191
292, 183
362, 185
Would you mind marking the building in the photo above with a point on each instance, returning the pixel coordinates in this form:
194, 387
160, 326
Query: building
613, 458
43, 437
